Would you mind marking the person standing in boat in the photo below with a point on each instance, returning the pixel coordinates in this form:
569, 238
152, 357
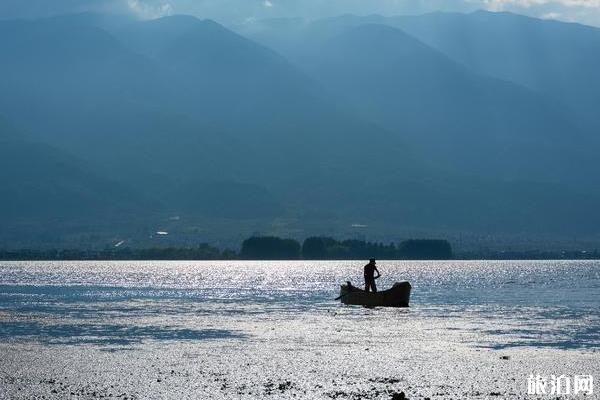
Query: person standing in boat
370, 277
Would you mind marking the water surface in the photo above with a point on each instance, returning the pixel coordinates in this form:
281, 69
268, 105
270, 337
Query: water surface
509, 303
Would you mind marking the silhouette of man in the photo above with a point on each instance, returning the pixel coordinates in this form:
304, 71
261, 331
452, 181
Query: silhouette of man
370, 277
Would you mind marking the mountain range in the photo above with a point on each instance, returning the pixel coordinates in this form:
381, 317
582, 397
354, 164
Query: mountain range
442, 124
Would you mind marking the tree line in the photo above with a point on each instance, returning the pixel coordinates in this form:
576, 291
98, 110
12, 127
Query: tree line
255, 248
327, 248
312, 248
201, 252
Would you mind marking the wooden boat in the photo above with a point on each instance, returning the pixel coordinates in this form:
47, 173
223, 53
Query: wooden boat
397, 296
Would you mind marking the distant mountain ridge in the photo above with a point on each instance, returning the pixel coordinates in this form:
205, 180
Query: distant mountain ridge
310, 127
45, 183
556, 58
438, 104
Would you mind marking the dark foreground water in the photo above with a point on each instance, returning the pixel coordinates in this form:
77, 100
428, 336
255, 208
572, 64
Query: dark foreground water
272, 329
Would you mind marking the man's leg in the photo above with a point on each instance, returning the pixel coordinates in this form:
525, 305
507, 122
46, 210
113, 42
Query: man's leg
370, 284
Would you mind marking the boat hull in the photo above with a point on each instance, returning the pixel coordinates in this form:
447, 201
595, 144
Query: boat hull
397, 296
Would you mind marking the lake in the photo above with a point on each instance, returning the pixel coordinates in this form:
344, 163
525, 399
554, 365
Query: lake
250, 329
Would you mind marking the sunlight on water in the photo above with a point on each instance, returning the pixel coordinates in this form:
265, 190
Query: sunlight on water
527, 296
237, 329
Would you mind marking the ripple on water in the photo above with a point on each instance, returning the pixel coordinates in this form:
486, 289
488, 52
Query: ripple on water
495, 304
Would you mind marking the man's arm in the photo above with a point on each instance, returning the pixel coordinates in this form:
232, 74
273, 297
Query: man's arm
378, 274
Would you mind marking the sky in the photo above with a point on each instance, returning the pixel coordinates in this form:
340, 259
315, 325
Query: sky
239, 11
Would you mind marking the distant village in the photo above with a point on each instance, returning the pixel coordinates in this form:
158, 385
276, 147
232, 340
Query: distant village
312, 248
256, 248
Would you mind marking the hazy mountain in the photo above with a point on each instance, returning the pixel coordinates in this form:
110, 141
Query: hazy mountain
365, 124
466, 121
41, 183
58, 78
272, 108
204, 104
556, 58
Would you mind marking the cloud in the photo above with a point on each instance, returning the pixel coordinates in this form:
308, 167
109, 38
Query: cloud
150, 9
231, 11
45, 8
583, 11
533, 3
551, 15
234, 11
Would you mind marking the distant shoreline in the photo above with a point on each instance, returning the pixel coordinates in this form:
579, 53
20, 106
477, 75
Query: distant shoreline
271, 248
17, 258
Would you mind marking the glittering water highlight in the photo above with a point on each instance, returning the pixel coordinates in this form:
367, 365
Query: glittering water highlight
252, 323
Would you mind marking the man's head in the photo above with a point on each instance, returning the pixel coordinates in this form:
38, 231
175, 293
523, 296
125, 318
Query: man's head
372, 261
